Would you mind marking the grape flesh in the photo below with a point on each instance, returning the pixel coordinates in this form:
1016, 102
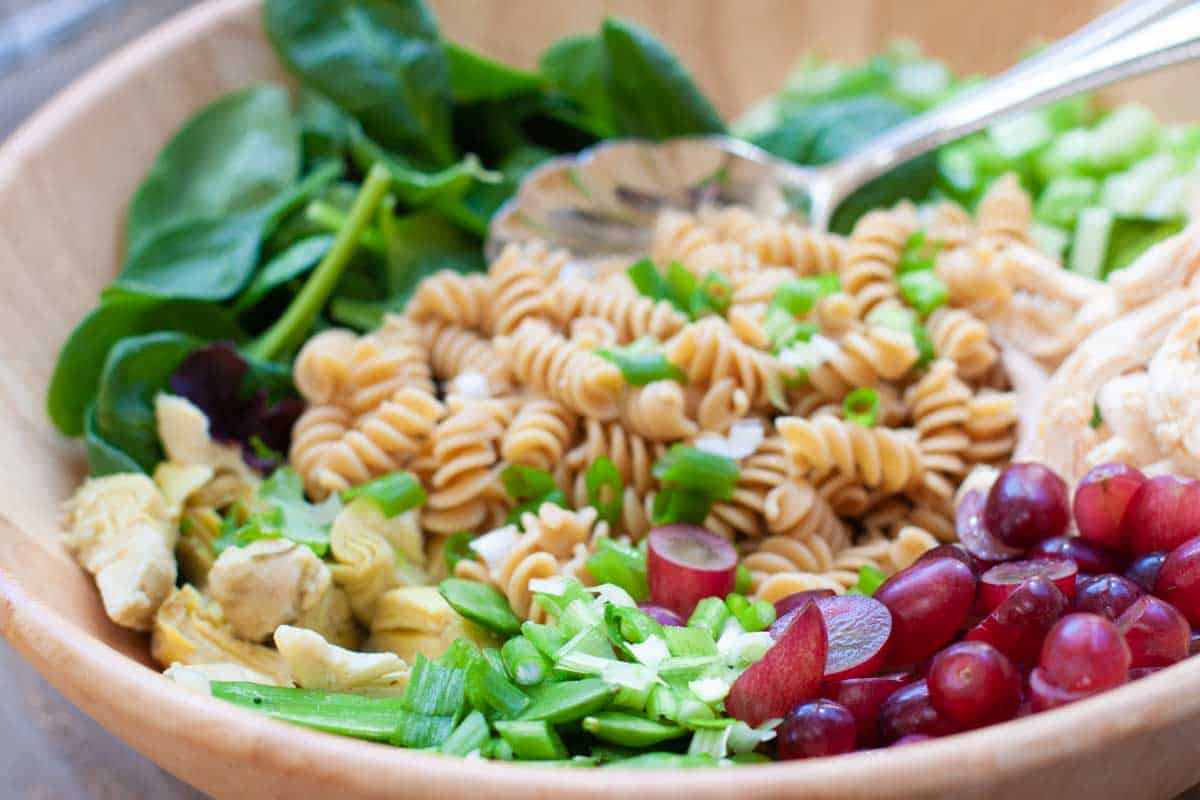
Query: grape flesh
1000, 581
1027, 503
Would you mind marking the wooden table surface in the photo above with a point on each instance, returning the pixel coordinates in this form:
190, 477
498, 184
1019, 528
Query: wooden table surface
52, 751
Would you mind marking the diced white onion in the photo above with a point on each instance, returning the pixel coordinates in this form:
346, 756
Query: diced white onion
494, 546
709, 690
651, 652
555, 585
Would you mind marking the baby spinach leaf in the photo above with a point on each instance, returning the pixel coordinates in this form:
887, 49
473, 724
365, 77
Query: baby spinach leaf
234, 155
324, 128
652, 94
136, 370
292, 263
381, 61
577, 66
104, 458
475, 77
120, 315
420, 244
414, 186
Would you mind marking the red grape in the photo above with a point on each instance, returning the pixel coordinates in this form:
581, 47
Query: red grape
685, 564
1194, 644
817, 728
787, 675
864, 696
793, 601
1091, 557
1157, 634
1045, 695
1107, 595
1179, 580
1002, 580
859, 630
1100, 503
1137, 673
1019, 624
910, 711
1163, 514
929, 602
974, 684
912, 738
974, 535
1144, 570
1026, 504
663, 616
956, 551
1085, 653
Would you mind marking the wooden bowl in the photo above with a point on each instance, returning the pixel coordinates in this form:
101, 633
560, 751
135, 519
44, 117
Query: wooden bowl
64, 181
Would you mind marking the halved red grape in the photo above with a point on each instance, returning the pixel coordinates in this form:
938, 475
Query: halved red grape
974, 535
1085, 653
1137, 673
1163, 514
859, 630
955, 551
910, 711
1179, 580
1092, 558
685, 564
1026, 504
1019, 625
929, 602
817, 728
1106, 595
1101, 500
864, 696
1044, 695
1144, 570
1157, 634
793, 601
663, 616
974, 684
787, 675
1002, 580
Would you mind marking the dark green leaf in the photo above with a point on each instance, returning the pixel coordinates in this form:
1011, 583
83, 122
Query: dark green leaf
292, 263
381, 61
120, 315
198, 259
652, 94
296, 518
136, 370
235, 155
418, 187
474, 77
420, 244
104, 458
577, 66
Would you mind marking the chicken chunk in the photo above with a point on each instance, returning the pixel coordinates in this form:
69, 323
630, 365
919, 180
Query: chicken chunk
122, 531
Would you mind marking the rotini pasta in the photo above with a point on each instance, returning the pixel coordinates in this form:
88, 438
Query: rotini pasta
453, 298
864, 359
874, 250
1005, 213
519, 279
545, 361
939, 406
708, 351
657, 412
465, 487
881, 458
632, 315
959, 335
540, 434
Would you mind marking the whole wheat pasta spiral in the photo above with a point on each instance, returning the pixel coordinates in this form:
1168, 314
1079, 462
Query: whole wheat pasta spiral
758, 285
657, 412
804, 250
959, 335
975, 280
545, 361
717, 406
764, 470
869, 269
681, 237
465, 487
837, 314
385, 361
322, 369
991, 426
1005, 213
864, 358
633, 315
540, 434
939, 407
707, 351
454, 298
746, 322
454, 350
591, 333
519, 281
884, 459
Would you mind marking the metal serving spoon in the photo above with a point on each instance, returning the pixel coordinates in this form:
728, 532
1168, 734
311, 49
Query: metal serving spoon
600, 202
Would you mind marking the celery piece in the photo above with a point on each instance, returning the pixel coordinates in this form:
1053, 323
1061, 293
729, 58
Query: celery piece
532, 739
1063, 198
1091, 242
1050, 240
1067, 155
1127, 134
709, 615
1019, 136
568, 701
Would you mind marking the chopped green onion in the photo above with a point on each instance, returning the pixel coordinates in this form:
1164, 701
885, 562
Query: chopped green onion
488, 686
919, 254
752, 616
524, 662
471, 735
685, 668
663, 761
743, 581
647, 279
630, 730
394, 493
681, 286
482, 604
697, 470
640, 364
458, 548
713, 743
662, 703
1097, 418
621, 565
568, 701
714, 294
924, 345
710, 615
526, 483
923, 290
798, 296
686, 642
784, 330
373, 718
629, 626
673, 505
532, 739
606, 492
862, 407
870, 578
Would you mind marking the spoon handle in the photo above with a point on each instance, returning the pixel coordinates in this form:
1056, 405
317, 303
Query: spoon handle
1169, 40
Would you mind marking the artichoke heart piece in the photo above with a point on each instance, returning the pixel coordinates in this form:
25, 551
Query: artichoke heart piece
316, 664
373, 554
190, 629
122, 531
198, 677
414, 620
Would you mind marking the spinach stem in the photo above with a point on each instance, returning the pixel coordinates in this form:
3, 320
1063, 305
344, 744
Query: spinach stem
332, 218
289, 330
